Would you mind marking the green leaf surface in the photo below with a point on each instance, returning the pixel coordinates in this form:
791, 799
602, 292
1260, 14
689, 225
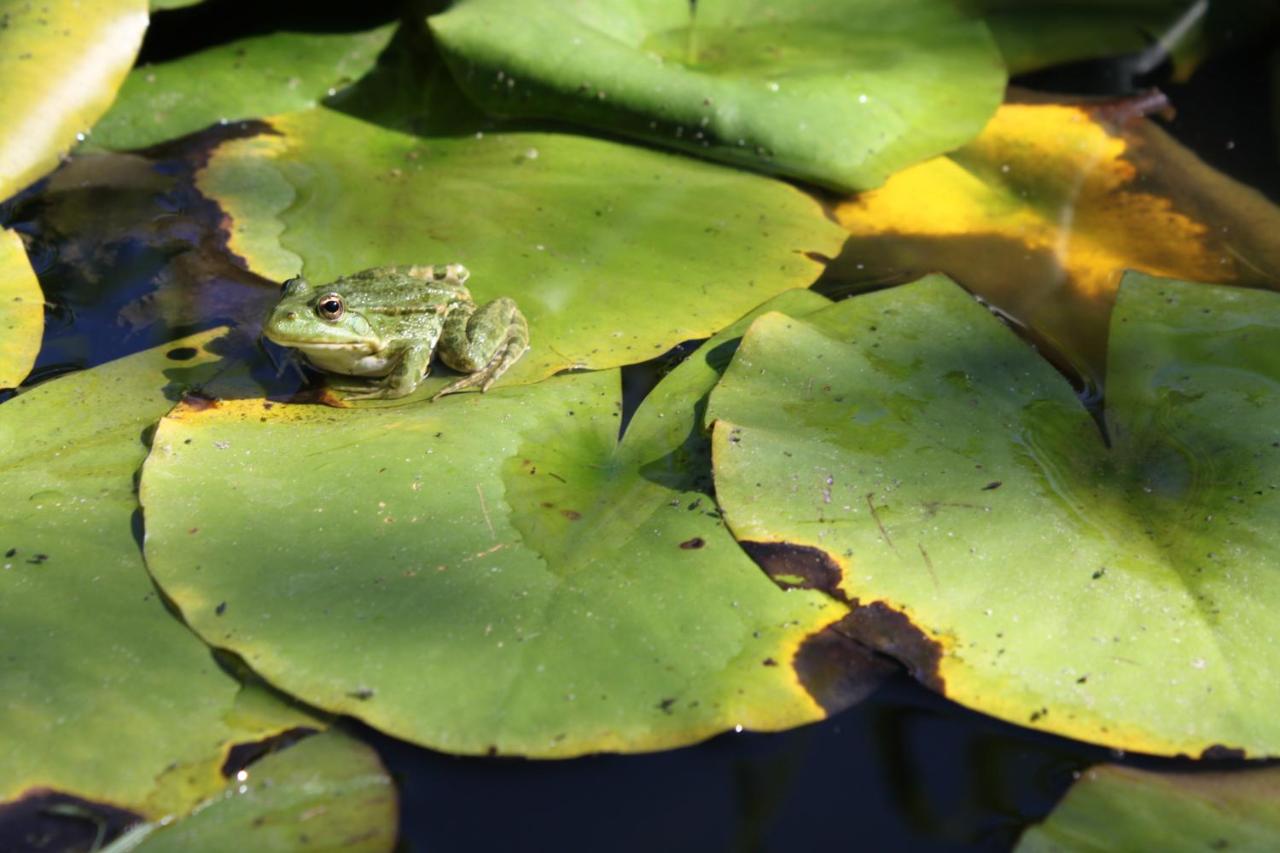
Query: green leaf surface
60, 66
1036, 35
836, 92
935, 473
164, 5
21, 311
243, 79
106, 695
614, 253
1113, 808
327, 793
489, 573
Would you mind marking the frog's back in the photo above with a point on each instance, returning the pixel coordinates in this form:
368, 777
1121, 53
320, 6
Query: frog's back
415, 285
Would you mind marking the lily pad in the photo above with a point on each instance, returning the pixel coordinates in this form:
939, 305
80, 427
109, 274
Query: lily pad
1122, 808
60, 66
921, 463
106, 695
614, 253
329, 792
486, 574
1045, 211
242, 79
21, 311
840, 93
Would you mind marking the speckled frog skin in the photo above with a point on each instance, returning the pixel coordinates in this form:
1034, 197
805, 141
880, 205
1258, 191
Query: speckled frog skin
385, 324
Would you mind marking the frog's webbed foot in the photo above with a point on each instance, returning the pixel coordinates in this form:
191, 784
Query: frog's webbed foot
482, 343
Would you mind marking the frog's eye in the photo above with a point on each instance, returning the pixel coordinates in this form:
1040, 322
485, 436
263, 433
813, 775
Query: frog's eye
330, 306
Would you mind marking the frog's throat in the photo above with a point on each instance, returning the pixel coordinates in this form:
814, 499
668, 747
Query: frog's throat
366, 346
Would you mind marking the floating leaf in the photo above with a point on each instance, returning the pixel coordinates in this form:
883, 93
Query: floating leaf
840, 93
908, 454
242, 79
60, 66
614, 253
164, 5
491, 573
1036, 35
21, 311
1122, 808
1043, 213
329, 792
106, 695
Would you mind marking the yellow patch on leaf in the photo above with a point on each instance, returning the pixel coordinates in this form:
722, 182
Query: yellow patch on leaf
21, 311
1052, 179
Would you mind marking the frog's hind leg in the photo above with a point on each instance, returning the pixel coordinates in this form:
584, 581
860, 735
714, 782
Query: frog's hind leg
482, 342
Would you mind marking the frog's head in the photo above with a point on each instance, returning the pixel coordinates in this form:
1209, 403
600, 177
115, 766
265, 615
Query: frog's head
309, 319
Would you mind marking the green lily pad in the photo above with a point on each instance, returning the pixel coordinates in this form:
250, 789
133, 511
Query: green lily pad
106, 695
21, 311
242, 79
60, 66
919, 462
840, 93
1122, 808
614, 253
1037, 35
329, 792
487, 574
163, 5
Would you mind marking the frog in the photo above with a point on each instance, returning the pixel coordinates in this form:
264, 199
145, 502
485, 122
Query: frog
382, 326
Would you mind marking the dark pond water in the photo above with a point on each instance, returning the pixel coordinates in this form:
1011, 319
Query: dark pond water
903, 770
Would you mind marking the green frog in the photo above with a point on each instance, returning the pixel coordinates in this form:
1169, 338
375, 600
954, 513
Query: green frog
384, 325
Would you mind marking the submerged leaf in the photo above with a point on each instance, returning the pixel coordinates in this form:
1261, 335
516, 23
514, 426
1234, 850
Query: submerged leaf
1122, 808
106, 695
327, 793
21, 311
1045, 211
840, 93
60, 66
490, 573
953, 491
243, 79
614, 253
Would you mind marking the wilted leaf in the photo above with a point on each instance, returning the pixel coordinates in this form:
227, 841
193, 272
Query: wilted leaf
491, 573
242, 79
60, 66
327, 793
614, 253
21, 311
1045, 211
106, 695
840, 92
1122, 808
929, 469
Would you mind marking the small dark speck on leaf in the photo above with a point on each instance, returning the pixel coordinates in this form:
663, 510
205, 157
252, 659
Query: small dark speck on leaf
1082, 679
186, 441
181, 353
693, 544
361, 693
994, 484
571, 514
1036, 715
38, 559
193, 530
1099, 573
770, 662
11, 552
221, 608
665, 705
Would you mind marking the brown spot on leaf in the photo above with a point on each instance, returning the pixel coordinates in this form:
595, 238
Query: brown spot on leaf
571, 514
797, 566
665, 705
693, 544
59, 821
197, 402
837, 670
1218, 752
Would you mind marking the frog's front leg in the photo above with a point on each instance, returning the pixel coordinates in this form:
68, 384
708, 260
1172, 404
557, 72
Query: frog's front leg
405, 376
482, 342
